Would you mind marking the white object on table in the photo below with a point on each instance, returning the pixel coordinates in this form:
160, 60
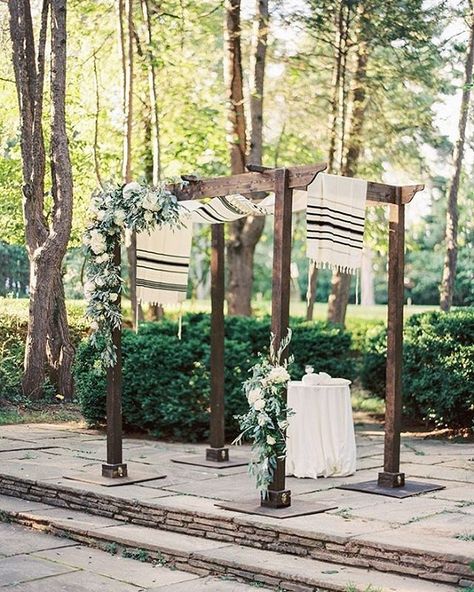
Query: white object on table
320, 435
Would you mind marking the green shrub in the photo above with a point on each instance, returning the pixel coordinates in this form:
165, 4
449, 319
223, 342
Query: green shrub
372, 370
438, 368
166, 382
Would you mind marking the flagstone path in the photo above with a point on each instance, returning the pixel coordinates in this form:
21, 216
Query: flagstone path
429, 537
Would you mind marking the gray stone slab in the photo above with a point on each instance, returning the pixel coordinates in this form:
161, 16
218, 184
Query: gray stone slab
15, 504
156, 540
79, 581
415, 537
304, 571
449, 524
23, 568
145, 575
16, 540
73, 518
439, 472
404, 511
210, 585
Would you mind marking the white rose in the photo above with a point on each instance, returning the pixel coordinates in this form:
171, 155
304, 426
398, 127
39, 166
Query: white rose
99, 282
150, 202
271, 440
97, 242
94, 325
278, 375
148, 216
100, 215
89, 288
261, 419
254, 395
259, 405
119, 217
102, 258
113, 296
131, 188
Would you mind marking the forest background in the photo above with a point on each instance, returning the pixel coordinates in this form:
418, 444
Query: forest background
156, 89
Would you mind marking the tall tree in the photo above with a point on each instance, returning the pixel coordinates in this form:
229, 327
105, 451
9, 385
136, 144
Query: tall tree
126, 28
47, 230
243, 234
341, 282
342, 15
451, 237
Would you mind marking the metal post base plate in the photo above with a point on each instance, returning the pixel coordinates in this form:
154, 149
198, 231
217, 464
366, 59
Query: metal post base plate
276, 499
408, 489
217, 454
115, 471
297, 508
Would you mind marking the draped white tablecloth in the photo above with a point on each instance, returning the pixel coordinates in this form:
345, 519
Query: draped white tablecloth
320, 436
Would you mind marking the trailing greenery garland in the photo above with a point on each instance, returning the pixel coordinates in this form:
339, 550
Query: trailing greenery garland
114, 208
266, 421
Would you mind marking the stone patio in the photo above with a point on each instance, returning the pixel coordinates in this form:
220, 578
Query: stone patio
430, 537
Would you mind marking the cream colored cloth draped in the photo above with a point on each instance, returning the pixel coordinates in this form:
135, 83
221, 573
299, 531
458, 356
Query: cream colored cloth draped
163, 254
335, 219
320, 436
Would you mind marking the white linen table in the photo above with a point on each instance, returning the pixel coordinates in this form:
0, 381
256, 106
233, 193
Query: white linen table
320, 435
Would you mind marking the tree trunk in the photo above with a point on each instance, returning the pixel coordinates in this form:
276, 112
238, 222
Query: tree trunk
311, 291
450, 261
126, 42
60, 351
341, 282
155, 310
243, 234
46, 244
336, 83
335, 122
367, 296
153, 94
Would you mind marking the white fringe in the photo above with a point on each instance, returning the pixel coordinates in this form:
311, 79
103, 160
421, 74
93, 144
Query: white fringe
334, 267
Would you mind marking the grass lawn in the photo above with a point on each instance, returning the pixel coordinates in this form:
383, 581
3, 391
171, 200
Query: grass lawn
19, 309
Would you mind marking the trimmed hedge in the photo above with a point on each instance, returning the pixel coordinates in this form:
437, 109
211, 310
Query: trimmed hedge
166, 383
438, 368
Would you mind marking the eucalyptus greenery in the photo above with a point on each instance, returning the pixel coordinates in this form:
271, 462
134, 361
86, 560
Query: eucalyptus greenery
114, 208
266, 421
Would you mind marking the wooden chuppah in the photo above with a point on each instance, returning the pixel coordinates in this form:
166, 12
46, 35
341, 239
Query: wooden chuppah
283, 181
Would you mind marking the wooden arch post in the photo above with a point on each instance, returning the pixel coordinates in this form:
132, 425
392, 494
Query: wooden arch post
391, 481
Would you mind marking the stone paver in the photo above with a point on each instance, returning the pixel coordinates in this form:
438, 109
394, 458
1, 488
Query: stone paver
15, 540
23, 568
37, 564
130, 571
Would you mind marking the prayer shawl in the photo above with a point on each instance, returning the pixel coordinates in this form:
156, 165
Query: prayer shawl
163, 254
335, 219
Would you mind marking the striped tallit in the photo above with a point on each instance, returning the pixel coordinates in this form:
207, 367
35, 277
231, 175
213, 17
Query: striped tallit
335, 218
163, 254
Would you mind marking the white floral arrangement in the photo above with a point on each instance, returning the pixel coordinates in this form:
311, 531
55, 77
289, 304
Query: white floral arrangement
114, 208
266, 421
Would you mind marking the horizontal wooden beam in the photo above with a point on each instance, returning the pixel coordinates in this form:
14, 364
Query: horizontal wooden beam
380, 193
299, 178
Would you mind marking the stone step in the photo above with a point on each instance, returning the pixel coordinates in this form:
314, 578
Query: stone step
205, 556
411, 551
